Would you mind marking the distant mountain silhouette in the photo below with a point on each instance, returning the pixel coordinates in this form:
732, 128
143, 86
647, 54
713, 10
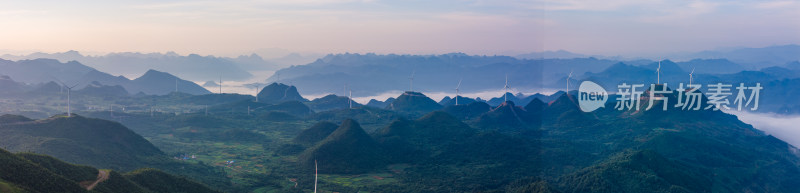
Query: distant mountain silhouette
278, 92
520, 98
619, 73
753, 58
43, 70
510, 97
47, 88
155, 82
447, 101
210, 84
10, 119
559, 54
192, 66
375, 74
9, 86
414, 102
380, 104
711, 66
100, 90
40, 71
331, 101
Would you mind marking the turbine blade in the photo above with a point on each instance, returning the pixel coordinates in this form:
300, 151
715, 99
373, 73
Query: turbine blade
59, 81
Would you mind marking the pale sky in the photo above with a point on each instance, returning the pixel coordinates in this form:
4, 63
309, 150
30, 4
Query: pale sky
234, 27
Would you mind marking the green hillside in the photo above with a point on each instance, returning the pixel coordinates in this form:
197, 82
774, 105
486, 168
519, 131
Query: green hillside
316, 133
159, 182
347, 150
33, 173
80, 140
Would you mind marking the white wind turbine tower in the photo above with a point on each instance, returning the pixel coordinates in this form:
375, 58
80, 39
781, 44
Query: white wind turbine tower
220, 83
658, 72
69, 92
315, 176
505, 93
176, 84
459, 85
411, 85
257, 87
350, 99
285, 92
691, 75
569, 77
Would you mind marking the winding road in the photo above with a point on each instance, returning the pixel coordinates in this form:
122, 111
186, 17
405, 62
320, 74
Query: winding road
102, 175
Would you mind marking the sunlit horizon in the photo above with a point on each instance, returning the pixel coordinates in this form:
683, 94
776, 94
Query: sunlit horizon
626, 28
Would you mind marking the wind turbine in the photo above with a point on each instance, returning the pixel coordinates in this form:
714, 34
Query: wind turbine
257, 87
569, 77
691, 75
315, 176
220, 83
459, 85
658, 72
176, 84
285, 92
505, 94
350, 99
69, 92
411, 85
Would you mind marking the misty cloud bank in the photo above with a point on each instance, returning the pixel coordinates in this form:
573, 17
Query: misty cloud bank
781, 126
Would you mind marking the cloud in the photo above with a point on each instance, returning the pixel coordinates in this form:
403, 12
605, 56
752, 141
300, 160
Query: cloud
681, 12
21, 12
584, 5
781, 126
777, 5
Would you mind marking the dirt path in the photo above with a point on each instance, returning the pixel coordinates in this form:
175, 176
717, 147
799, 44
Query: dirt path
101, 176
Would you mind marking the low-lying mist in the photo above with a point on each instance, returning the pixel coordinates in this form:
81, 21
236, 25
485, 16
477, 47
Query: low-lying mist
784, 127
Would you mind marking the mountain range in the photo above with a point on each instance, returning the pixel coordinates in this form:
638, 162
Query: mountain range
374, 74
192, 66
40, 71
547, 143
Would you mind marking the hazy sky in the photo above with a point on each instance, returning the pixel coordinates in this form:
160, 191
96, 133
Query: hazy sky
226, 28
